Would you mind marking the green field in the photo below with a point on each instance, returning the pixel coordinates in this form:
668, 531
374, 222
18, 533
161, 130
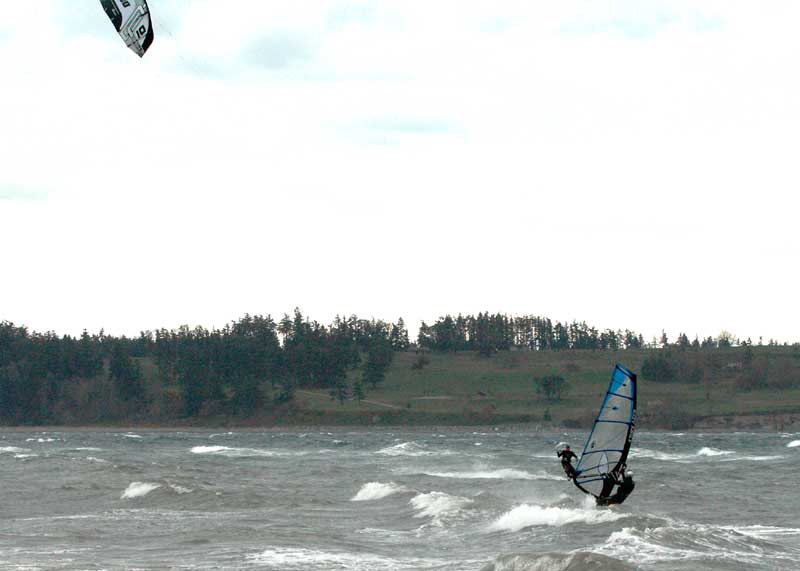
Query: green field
464, 388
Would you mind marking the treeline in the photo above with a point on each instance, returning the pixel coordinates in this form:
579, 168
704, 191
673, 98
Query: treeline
744, 368
488, 334
49, 378
257, 363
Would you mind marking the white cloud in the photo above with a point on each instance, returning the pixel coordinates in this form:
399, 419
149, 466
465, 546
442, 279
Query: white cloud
625, 163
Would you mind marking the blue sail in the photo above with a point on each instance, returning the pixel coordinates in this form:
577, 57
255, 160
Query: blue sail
606, 449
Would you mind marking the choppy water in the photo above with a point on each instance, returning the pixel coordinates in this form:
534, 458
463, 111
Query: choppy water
390, 500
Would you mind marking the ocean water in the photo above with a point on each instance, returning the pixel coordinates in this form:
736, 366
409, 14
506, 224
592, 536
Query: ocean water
369, 500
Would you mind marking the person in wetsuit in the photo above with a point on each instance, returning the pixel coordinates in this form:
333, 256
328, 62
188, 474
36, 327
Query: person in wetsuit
625, 485
566, 456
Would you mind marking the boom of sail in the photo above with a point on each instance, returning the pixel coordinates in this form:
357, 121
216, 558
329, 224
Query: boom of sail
605, 453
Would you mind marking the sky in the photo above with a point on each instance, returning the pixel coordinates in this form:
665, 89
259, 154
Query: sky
632, 164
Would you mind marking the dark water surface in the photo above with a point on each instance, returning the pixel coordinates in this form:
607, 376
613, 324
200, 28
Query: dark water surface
390, 500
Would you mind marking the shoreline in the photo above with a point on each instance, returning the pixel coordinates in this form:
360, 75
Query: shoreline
717, 425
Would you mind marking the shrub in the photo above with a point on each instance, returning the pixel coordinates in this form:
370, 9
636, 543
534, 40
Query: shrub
552, 387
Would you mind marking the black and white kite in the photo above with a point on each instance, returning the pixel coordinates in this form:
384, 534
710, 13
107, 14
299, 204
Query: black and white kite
132, 20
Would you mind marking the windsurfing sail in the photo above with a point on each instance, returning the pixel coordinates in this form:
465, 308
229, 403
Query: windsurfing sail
131, 18
606, 449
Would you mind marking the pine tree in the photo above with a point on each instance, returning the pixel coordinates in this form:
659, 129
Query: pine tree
358, 392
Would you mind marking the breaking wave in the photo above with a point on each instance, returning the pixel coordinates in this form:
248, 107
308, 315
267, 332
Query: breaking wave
180, 489
376, 491
666, 456
231, 452
793, 444
404, 449
501, 474
527, 515
705, 451
138, 490
753, 458
438, 504
698, 542
13, 450
557, 562
286, 558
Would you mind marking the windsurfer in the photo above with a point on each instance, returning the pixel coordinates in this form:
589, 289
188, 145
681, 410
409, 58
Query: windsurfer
566, 456
624, 483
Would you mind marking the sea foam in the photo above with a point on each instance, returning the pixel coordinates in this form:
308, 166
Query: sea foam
376, 491
138, 490
527, 515
793, 444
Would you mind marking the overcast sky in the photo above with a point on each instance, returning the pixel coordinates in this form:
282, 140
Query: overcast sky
628, 163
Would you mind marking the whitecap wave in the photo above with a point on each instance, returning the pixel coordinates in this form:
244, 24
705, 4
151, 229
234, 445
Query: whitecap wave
131, 435
704, 452
556, 562
404, 449
23, 456
501, 474
438, 505
12, 450
289, 558
793, 444
753, 458
231, 452
138, 490
764, 531
180, 489
696, 542
527, 515
376, 491
41, 440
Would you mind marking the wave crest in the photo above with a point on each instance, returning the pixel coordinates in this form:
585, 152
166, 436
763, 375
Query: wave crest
501, 474
12, 450
376, 491
704, 452
404, 449
696, 542
557, 562
231, 452
527, 515
438, 504
138, 490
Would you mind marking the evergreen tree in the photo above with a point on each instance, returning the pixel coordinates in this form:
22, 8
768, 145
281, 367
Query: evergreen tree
127, 376
358, 392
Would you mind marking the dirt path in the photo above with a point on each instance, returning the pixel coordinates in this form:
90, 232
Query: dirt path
321, 395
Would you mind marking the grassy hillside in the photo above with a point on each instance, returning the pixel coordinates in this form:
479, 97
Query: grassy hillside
466, 388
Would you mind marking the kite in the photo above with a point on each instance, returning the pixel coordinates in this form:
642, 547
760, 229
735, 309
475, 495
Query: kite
131, 18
